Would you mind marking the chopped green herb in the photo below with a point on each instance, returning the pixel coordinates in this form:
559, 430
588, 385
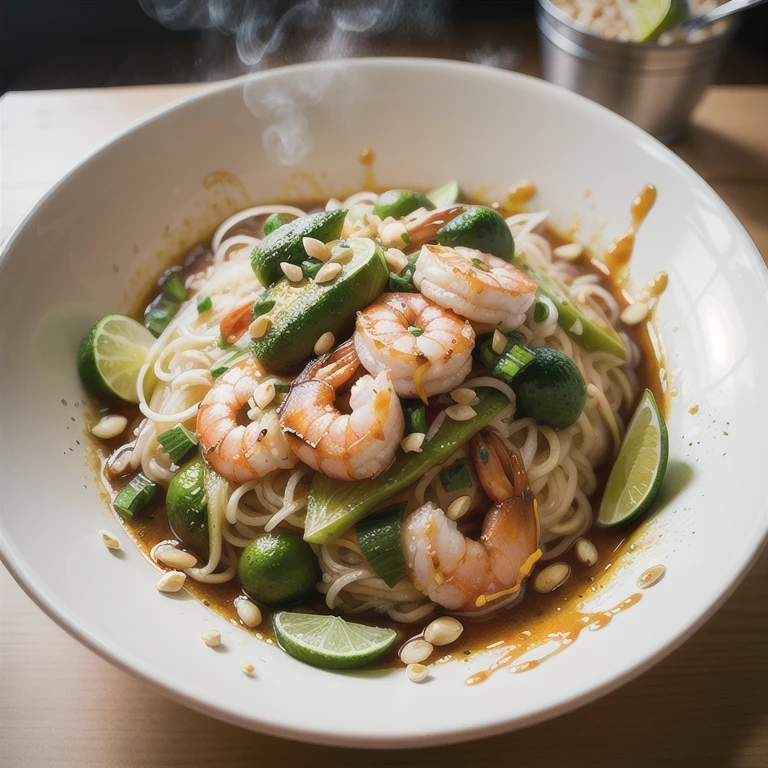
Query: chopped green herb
481, 265
135, 496
283, 389
204, 304
405, 238
512, 361
177, 442
228, 362
540, 311
415, 416
172, 288
261, 306
275, 221
403, 281
456, 477
415, 330
310, 267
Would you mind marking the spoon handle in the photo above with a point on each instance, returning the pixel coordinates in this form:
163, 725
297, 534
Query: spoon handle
721, 12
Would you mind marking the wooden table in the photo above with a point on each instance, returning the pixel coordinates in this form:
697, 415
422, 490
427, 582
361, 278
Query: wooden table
706, 704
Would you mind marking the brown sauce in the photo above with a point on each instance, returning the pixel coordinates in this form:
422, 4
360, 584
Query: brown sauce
537, 618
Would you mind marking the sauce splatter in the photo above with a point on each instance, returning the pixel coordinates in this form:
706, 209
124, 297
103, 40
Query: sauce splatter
519, 194
693, 410
619, 252
652, 576
569, 631
367, 158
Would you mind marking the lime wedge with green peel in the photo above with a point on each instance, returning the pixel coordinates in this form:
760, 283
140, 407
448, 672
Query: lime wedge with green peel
329, 642
448, 194
400, 202
649, 19
111, 355
636, 477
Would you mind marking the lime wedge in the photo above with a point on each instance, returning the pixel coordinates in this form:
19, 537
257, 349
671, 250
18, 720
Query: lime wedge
448, 194
650, 18
111, 355
329, 642
637, 475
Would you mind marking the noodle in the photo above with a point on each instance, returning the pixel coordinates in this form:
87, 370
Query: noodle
560, 464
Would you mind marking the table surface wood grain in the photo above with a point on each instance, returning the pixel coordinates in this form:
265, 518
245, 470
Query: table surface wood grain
60, 705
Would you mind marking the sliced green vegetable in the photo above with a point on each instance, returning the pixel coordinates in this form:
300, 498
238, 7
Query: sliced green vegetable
511, 362
415, 416
551, 389
484, 352
649, 19
403, 281
400, 202
282, 388
329, 642
540, 311
111, 355
380, 537
186, 507
135, 496
480, 228
584, 331
163, 309
224, 365
204, 304
448, 194
177, 442
456, 477
261, 306
285, 243
638, 473
334, 505
276, 220
278, 569
305, 311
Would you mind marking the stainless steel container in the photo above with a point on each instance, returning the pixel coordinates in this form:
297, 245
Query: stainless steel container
655, 86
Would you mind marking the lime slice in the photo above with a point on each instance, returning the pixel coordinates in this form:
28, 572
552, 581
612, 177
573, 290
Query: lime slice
648, 19
329, 642
111, 355
448, 194
637, 475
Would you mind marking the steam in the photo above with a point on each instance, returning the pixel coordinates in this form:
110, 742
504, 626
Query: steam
325, 29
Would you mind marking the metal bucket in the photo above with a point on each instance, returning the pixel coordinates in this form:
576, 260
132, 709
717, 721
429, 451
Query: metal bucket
654, 86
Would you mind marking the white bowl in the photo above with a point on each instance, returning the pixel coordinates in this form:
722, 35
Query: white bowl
89, 245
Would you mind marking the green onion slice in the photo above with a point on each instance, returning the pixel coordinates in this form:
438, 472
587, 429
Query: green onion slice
228, 362
380, 540
177, 442
415, 416
135, 496
204, 304
456, 477
512, 361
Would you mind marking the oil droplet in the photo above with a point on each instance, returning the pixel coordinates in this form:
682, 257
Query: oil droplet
652, 576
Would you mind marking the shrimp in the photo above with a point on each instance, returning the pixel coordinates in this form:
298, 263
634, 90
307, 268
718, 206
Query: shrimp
463, 574
419, 227
241, 452
347, 446
476, 285
426, 348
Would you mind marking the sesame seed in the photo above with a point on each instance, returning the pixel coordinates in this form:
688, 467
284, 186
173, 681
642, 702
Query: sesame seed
417, 673
458, 507
443, 631
569, 252
292, 271
552, 577
586, 552
175, 558
635, 313
412, 443
415, 651
463, 395
264, 394
110, 541
460, 412
315, 248
212, 638
324, 343
328, 272
499, 343
259, 326
109, 426
172, 581
248, 612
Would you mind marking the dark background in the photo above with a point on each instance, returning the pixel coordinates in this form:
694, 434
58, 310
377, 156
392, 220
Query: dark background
92, 43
